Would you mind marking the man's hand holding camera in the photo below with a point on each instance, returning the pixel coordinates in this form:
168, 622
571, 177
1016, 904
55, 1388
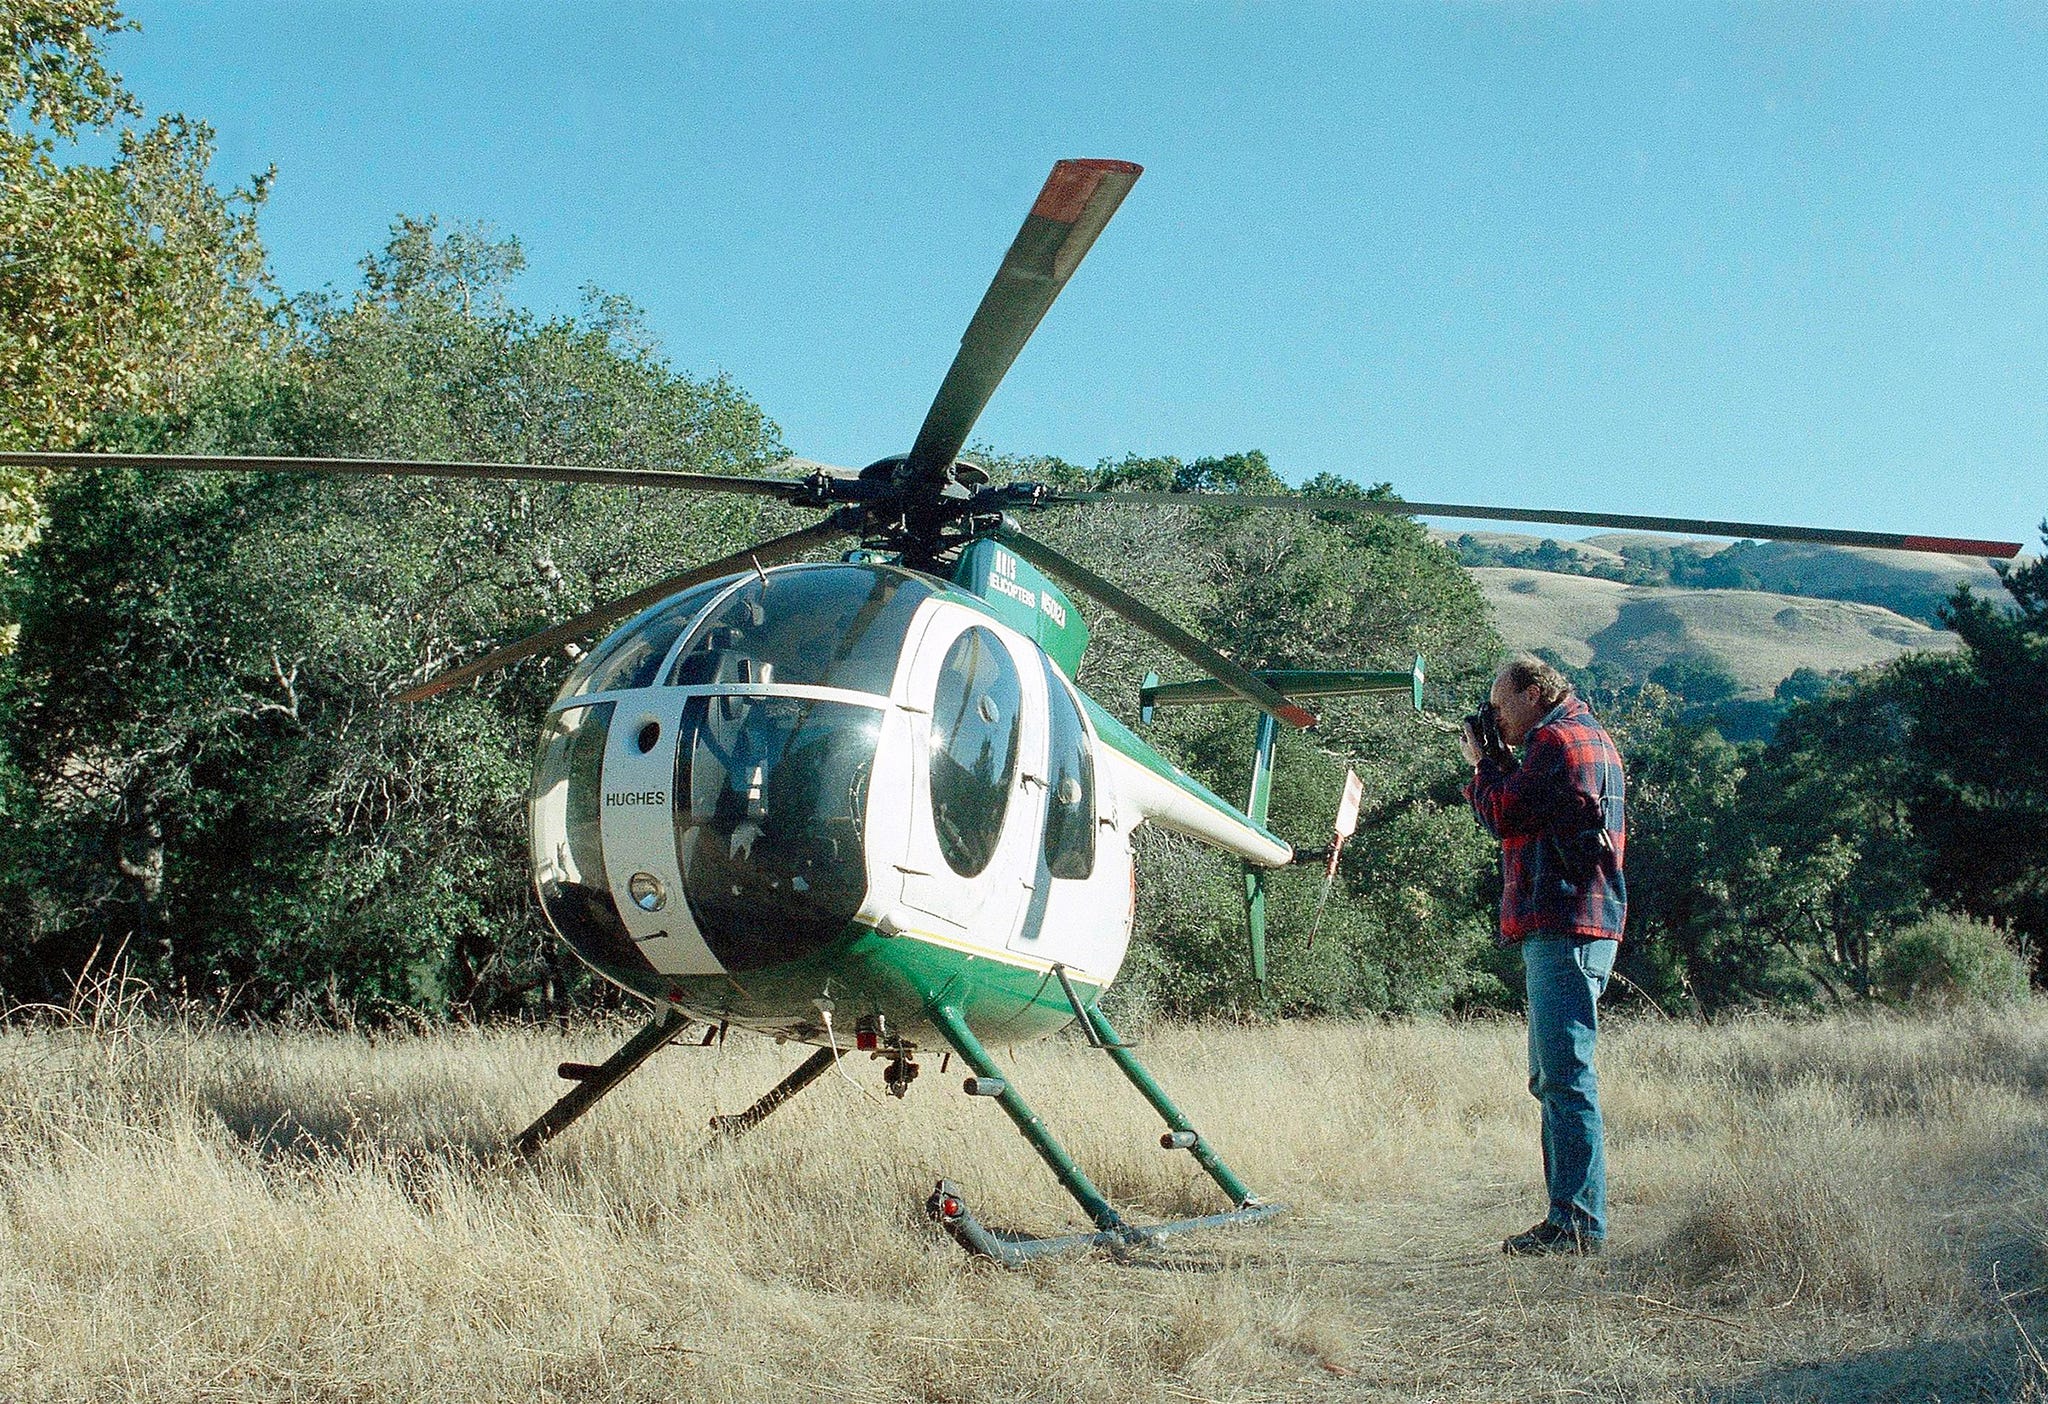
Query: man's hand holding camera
1481, 737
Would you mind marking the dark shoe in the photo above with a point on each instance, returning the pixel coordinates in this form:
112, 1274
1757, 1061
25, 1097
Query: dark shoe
1547, 1238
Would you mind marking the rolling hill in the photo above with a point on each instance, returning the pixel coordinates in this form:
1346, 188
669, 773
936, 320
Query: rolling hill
1911, 583
1758, 636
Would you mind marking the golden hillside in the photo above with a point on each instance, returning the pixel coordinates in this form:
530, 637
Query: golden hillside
1760, 637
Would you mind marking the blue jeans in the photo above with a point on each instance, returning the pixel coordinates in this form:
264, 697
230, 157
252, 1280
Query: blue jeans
1566, 976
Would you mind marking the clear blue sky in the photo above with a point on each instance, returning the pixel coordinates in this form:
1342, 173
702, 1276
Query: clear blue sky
1760, 262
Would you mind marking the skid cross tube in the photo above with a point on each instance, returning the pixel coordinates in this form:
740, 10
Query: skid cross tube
590, 1089
1070, 1175
1107, 1038
802, 1076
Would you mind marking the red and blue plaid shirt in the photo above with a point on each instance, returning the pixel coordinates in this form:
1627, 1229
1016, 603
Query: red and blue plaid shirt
1567, 752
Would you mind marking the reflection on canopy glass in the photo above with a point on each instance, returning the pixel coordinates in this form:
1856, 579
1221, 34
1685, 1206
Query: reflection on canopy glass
826, 626
974, 748
1069, 785
631, 657
568, 839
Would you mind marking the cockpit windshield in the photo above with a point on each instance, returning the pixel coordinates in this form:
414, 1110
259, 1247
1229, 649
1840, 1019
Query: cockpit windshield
826, 626
632, 656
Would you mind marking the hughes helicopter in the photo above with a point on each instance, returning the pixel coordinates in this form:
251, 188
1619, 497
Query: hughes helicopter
863, 805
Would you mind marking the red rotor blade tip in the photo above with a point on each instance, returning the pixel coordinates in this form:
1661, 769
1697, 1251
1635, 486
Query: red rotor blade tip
1072, 185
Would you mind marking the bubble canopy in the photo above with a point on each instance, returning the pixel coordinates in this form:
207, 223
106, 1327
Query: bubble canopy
821, 626
768, 799
827, 626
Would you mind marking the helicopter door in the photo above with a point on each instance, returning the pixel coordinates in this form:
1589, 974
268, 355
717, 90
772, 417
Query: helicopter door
639, 837
1070, 918
975, 814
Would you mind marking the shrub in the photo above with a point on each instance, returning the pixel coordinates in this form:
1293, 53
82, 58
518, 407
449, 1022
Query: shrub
1950, 958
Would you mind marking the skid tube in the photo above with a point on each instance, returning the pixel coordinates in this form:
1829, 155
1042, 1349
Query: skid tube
951, 1213
949, 1210
592, 1083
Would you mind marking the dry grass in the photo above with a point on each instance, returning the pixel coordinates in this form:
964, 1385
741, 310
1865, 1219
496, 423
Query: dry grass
1838, 1211
1759, 637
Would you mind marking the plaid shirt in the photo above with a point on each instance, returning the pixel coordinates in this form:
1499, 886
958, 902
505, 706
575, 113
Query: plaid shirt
1567, 751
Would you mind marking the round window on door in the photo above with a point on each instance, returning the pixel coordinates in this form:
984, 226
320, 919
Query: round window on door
974, 748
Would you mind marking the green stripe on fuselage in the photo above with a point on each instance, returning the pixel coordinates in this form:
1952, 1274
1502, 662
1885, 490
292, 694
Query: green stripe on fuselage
1005, 999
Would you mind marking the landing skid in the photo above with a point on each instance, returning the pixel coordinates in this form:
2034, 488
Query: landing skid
946, 1205
593, 1083
951, 1213
949, 1210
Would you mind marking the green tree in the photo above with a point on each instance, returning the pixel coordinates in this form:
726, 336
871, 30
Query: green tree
1684, 947
1770, 874
124, 286
1700, 679
206, 762
1410, 920
1980, 786
1805, 684
1945, 960
1832, 798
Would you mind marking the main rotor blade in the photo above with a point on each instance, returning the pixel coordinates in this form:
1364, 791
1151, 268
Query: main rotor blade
1239, 680
1077, 201
769, 552
405, 468
1827, 536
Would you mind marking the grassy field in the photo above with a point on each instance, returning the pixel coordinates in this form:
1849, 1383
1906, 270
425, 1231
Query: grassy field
1803, 1211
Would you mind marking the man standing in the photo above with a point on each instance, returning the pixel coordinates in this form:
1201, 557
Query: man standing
1558, 816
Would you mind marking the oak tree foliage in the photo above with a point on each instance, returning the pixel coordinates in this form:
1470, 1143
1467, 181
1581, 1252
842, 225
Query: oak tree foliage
208, 770
1407, 924
123, 286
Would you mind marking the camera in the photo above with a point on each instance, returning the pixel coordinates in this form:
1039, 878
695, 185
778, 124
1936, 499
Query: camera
1576, 831
1485, 727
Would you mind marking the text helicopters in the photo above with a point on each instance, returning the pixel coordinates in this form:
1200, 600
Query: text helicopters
863, 803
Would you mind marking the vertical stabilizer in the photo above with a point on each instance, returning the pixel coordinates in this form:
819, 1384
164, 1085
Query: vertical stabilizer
1255, 877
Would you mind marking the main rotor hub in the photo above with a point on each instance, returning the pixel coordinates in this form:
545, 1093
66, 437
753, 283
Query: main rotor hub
926, 518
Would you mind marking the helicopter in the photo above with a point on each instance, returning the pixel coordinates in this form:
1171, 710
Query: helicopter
863, 805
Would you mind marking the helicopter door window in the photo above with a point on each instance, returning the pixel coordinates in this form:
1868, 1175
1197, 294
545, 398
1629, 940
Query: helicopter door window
770, 798
974, 748
826, 626
631, 657
568, 839
1070, 786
